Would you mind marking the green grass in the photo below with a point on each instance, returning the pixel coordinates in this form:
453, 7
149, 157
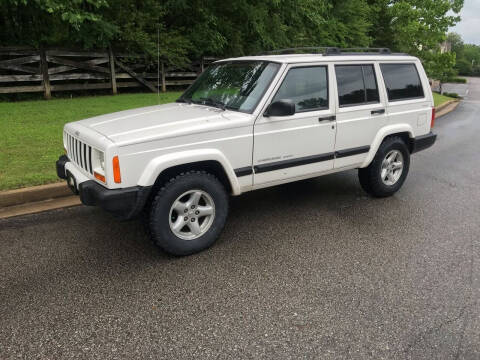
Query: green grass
31, 132
440, 99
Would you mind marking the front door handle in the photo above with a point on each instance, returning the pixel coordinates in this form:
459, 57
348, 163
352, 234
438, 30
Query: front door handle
379, 111
329, 118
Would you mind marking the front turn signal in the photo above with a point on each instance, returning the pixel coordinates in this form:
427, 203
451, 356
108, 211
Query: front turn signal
116, 170
99, 176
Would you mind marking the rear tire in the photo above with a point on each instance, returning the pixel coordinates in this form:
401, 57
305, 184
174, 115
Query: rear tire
388, 170
188, 213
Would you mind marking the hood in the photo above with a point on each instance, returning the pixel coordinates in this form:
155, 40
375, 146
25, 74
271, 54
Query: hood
162, 121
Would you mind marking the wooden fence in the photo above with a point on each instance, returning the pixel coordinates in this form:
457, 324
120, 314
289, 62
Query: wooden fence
26, 70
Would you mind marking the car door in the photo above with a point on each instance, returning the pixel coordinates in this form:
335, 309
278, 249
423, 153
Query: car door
302, 144
361, 111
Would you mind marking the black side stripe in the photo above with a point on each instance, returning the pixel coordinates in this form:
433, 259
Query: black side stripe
244, 171
293, 162
278, 165
351, 152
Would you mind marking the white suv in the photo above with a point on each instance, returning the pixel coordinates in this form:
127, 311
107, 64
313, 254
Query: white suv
249, 123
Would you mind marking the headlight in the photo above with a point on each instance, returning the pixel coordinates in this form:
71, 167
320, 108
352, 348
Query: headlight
98, 163
101, 159
98, 160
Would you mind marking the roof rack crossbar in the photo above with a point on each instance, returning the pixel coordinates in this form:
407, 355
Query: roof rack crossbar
315, 49
366, 50
330, 51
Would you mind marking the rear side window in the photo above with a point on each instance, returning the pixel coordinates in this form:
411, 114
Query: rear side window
402, 81
307, 87
357, 85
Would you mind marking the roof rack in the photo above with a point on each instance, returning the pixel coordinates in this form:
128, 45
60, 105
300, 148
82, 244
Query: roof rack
362, 51
311, 49
329, 51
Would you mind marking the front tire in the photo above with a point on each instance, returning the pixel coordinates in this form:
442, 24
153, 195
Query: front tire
188, 213
388, 170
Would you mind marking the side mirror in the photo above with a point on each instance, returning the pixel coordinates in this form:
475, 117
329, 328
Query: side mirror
281, 108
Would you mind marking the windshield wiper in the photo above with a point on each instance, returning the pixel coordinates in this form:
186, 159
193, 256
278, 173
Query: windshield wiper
212, 102
182, 100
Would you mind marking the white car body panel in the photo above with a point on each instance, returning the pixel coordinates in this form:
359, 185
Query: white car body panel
152, 139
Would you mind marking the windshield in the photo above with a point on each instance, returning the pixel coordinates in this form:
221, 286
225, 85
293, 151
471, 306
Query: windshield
232, 85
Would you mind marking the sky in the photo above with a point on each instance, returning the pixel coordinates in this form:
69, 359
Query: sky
469, 26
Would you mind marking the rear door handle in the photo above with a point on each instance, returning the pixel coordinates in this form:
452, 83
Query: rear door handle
379, 111
329, 118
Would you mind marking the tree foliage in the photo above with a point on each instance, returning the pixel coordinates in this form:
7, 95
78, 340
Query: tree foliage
192, 28
440, 66
467, 55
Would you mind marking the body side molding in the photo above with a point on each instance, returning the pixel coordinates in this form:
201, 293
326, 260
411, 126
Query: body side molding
352, 151
244, 171
277, 165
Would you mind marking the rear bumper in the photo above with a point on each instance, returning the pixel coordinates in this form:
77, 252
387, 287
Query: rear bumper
124, 203
423, 142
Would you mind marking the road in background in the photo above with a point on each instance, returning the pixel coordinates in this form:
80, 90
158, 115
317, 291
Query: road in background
313, 269
461, 89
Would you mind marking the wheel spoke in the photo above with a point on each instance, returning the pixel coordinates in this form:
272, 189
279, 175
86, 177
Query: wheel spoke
391, 177
178, 224
391, 158
384, 174
194, 227
397, 165
205, 210
179, 207
194, 198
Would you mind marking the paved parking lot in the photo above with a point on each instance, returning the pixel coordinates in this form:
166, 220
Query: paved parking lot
461, 89
314, 269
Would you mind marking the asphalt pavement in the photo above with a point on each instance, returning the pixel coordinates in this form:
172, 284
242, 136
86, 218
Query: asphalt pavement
314, 269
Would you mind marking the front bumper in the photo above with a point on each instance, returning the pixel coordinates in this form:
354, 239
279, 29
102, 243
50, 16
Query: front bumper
124, 203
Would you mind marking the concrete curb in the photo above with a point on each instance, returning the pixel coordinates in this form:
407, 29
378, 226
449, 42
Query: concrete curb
39, 206
34, 194
446, 108
445, 104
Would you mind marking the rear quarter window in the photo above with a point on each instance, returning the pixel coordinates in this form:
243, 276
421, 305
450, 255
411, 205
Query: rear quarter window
402, 81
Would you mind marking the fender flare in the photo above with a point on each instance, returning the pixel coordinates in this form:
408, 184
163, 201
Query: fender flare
157, 165
382, 134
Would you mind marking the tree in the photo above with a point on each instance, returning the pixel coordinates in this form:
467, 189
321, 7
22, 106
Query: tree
187, 29
416, 27
456, 44
43, 22
472, 56
440, 66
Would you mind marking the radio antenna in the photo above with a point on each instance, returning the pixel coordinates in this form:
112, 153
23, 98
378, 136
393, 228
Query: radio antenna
158, 63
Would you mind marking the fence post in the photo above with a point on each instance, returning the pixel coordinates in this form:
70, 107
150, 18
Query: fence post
113, 78
202, 65
164, 85
47, 93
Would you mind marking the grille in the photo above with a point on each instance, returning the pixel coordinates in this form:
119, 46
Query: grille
79, 153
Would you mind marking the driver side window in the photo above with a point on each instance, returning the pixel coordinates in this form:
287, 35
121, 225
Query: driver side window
307, 87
